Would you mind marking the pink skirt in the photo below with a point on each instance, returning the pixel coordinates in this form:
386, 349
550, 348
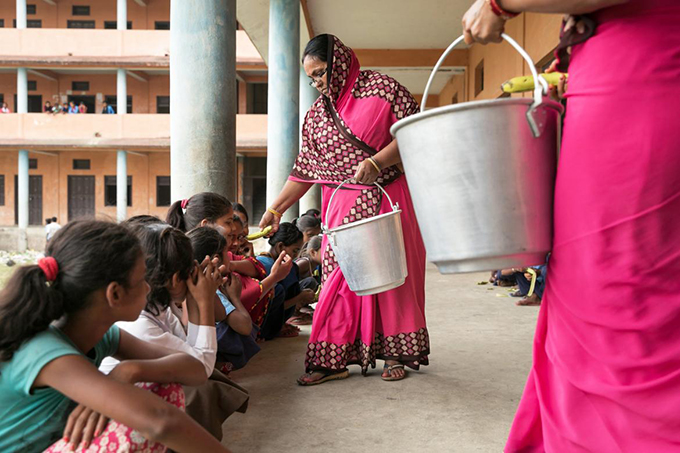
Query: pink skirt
356, 330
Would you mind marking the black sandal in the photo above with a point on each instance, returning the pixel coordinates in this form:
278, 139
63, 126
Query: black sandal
327, 376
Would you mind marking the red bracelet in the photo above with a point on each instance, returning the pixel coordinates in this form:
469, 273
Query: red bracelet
500, 12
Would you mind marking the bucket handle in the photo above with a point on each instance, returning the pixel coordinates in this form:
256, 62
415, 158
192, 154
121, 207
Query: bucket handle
324, 228
534, 117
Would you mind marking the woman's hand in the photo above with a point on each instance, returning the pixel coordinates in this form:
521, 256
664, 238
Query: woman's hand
366, 174
82, 426
481, 25
270, 219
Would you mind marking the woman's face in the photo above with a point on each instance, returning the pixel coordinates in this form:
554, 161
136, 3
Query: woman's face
225, 258
136, 290
310, 233
226, 222
316, 71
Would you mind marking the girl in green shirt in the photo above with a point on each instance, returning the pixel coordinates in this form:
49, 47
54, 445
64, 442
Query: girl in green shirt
56, 326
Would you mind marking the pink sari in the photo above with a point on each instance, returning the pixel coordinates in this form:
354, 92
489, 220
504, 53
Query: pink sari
340, 132
606, 371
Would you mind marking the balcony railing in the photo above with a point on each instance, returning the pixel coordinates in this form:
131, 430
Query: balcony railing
50, 47
132, 132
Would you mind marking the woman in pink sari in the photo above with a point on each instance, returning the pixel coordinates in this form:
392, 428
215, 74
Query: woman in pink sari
606, 371
346, 136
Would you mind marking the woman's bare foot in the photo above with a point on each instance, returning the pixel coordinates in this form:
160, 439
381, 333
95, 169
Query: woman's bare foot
393, 371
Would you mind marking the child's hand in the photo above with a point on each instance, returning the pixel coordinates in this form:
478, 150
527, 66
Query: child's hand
282, 267
83, 424
204, 285
234, 288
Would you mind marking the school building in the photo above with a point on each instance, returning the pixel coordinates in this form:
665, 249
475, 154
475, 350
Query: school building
92, 52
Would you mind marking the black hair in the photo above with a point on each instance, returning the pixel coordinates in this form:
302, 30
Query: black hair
238, 207
238, 220
168, 251
288, 234
206, 241
54, 219
317, 48
307, 222
204, 205
90, 254
48, 220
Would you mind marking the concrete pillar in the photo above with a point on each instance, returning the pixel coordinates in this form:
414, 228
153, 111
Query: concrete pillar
308, 94
22, 91
21, 13
121, 162
203, 101
22, 200
283, 98
121, 92
121, 186
122, 15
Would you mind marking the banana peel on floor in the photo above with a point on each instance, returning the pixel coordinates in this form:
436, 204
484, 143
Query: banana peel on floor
526, 83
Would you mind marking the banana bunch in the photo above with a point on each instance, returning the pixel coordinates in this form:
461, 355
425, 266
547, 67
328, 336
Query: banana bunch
522, 84
259, 234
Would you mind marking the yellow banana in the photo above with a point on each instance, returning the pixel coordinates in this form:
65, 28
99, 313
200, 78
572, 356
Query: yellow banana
521, 84
260, 234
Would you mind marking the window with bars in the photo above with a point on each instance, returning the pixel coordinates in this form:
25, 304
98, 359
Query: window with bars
2, 190
32, 85
30, 9
479, 78
33, 23
32, 164
80, 86
162, 104
162, 190
80, 10
162, 25
80, 24
111, 188
81, 164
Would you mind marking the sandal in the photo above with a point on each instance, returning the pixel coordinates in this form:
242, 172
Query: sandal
327, 376
398, 366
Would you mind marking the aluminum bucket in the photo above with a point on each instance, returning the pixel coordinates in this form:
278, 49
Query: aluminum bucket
370, 252
482, 177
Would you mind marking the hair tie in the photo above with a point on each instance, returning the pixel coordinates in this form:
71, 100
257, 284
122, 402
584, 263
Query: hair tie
50, 268
184, 203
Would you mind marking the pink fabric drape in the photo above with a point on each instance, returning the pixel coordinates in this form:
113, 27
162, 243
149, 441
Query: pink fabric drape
606, 369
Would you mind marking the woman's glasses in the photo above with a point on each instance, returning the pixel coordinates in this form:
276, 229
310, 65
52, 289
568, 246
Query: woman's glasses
316, 80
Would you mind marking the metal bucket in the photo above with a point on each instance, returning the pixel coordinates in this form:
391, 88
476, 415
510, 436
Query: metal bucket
370, 252
482, 177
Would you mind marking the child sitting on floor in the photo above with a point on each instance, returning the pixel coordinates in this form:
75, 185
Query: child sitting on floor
309, 265
57, 325
287, 239
309, 225
235, 334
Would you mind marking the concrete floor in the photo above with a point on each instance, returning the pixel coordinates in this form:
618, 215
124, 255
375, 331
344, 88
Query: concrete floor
464, 401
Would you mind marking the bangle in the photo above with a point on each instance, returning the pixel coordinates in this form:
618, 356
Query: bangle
499, 11
375, 164
275, 212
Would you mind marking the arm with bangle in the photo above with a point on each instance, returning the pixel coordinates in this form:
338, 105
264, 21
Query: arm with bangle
292, 191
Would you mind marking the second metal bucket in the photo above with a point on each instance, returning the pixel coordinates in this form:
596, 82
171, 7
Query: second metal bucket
370, 252
482, 177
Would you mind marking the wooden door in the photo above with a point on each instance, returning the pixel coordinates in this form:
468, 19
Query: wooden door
35, 210
80, 197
